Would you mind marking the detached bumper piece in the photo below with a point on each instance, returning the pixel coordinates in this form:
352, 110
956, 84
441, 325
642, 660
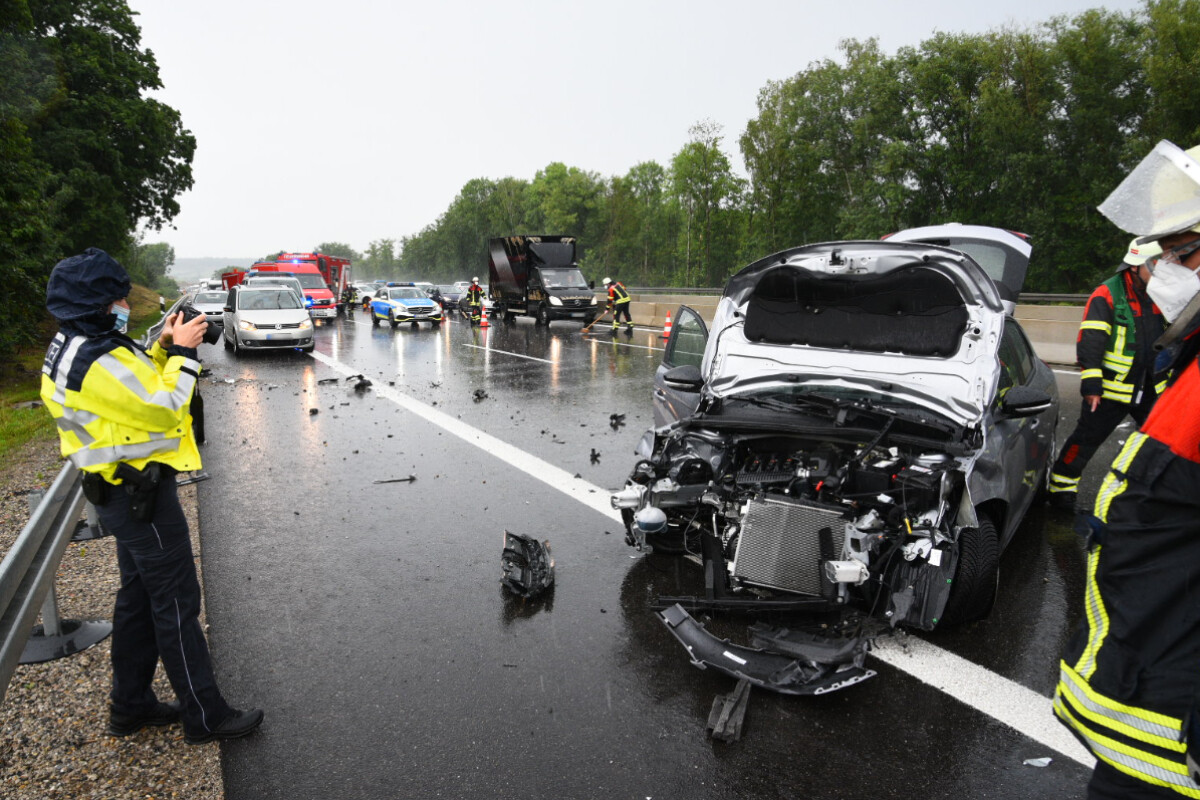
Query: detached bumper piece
801, 664
526, 565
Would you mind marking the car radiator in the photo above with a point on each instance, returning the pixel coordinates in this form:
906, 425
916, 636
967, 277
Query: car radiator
784, 544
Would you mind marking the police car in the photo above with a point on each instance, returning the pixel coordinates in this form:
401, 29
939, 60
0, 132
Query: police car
404, 302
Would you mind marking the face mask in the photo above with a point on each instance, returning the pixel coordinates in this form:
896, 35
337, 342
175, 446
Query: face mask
122, 315
1171, 287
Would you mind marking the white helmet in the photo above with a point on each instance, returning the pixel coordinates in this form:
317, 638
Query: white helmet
607, 281
474, 280
1160, 196
1138, 254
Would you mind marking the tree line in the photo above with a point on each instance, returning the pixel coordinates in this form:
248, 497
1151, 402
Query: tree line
1024, 129
84, 155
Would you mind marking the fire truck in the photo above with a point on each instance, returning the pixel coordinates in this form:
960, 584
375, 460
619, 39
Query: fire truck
333, 269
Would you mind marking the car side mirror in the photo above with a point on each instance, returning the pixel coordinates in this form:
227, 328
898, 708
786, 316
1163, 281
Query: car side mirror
687, 378
229, 309
1024, 401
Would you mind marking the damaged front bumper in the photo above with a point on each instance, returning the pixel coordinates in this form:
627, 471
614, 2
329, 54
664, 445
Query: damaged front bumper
787, 661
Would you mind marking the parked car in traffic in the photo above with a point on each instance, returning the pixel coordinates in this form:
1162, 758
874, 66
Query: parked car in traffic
447, 295
404, 303
260, 317
857, 442
212, 303
268, 279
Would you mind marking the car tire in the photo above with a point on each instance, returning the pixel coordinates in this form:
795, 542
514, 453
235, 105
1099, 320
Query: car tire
228, 345
543, 316
974, 588
374, 318
392, 318
237, 348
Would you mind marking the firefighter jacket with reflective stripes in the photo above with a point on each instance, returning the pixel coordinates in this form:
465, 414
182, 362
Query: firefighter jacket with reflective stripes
1130, 677
474, 295
1114, 348
114, 402
617, 293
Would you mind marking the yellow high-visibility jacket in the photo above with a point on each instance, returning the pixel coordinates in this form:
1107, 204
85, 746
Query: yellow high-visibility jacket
114, 402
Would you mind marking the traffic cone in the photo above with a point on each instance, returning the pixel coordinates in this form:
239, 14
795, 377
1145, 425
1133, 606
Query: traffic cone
483, 323
666, 334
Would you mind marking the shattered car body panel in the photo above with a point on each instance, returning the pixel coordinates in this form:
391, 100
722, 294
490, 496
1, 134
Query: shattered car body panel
869, 429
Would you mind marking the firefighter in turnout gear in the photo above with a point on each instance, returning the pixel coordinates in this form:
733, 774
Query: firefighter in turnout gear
618, 304
123, 417
1115, 350
474, 298
1129, 685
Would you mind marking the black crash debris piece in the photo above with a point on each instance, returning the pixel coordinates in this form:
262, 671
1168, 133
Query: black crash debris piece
526, 567
616, 421
480, 395
595, 456
361, 384
328, 380
409, 479
728, 713
795, 663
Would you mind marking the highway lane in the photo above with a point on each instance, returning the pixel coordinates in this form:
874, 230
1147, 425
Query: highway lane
368, 620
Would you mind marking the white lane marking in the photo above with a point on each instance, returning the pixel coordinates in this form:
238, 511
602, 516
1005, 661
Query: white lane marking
508, 353
623, 344
1018, 707
587, 493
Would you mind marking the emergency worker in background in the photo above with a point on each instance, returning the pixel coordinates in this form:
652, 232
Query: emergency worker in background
1129, 679
123, 419
474, 298
1115, 351
618, 303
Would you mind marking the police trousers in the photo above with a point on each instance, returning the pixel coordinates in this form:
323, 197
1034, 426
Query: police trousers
157, 613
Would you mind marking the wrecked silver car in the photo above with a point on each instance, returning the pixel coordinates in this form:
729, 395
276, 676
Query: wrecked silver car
854, 444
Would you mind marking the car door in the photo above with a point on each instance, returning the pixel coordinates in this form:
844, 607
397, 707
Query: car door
685, 347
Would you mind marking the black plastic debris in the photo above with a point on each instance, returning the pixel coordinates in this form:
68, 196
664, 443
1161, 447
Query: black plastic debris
409, 479
362, 384
328, 380
526, 567
595, 456
480, 394
728, 713
616, 421
314, 411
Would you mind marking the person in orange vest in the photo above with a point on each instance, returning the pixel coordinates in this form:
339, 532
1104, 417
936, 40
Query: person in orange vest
474, 298
618, 304
1127, 678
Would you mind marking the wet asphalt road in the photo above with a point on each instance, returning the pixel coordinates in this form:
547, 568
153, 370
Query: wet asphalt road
367, 618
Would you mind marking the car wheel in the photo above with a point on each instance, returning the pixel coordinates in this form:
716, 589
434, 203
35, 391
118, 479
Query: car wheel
374, 318
974, 586
392, 318
237, 348
543, 316
228, 346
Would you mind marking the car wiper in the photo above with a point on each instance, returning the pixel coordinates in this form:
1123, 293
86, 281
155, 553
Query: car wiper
793, 403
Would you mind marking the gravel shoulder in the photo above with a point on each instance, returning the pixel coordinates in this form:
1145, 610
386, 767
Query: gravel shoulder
52, 740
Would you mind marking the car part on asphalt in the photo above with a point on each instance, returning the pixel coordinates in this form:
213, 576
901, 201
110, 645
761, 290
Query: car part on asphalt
729, 713
526, 565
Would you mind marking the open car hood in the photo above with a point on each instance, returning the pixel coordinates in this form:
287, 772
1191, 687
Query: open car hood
918, 323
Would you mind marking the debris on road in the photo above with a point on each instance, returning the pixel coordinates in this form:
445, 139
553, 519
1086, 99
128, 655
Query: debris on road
362, 385
1038, 762
480, 394
328, 380
314, 411
595, 456
526, 566
409, 479
728, 713
616, 421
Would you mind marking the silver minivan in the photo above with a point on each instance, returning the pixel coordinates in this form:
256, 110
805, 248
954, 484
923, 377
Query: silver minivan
266, 317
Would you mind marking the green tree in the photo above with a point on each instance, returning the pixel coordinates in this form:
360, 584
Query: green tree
703, 182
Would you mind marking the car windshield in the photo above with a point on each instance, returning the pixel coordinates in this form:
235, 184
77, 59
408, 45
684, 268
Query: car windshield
563, 279
448, 289
212, 298
406, 293
311, 280
267, 299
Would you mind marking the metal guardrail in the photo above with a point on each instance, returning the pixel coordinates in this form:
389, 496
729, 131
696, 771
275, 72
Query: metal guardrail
1025, 297
27, 581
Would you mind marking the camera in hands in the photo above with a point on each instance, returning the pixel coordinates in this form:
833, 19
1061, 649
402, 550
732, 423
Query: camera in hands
212, 332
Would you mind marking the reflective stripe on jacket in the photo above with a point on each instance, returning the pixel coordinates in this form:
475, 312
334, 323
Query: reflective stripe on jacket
1128, 679
113, 402
1114, 344
617, 293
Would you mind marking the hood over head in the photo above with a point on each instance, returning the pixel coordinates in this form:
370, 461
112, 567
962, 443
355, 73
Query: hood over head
82, 287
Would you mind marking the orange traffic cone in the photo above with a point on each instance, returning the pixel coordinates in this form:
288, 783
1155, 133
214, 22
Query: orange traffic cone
483, 323
666, 334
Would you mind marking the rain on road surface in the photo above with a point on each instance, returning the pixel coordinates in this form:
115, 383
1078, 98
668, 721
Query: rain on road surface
367, 618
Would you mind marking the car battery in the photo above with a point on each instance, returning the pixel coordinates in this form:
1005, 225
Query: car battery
917, 486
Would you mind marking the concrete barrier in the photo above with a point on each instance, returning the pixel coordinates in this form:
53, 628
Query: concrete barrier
1051, 329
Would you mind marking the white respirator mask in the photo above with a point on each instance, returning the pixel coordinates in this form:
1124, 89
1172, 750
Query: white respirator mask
1172, 285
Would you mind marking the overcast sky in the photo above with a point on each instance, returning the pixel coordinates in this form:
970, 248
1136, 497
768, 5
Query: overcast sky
357, 120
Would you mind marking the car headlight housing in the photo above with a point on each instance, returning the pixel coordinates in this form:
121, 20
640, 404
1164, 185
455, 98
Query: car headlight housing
555, 301
305, 324
593, 299
247, 325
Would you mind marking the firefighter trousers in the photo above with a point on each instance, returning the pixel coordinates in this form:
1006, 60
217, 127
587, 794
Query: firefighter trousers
1093, 428
157, 613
